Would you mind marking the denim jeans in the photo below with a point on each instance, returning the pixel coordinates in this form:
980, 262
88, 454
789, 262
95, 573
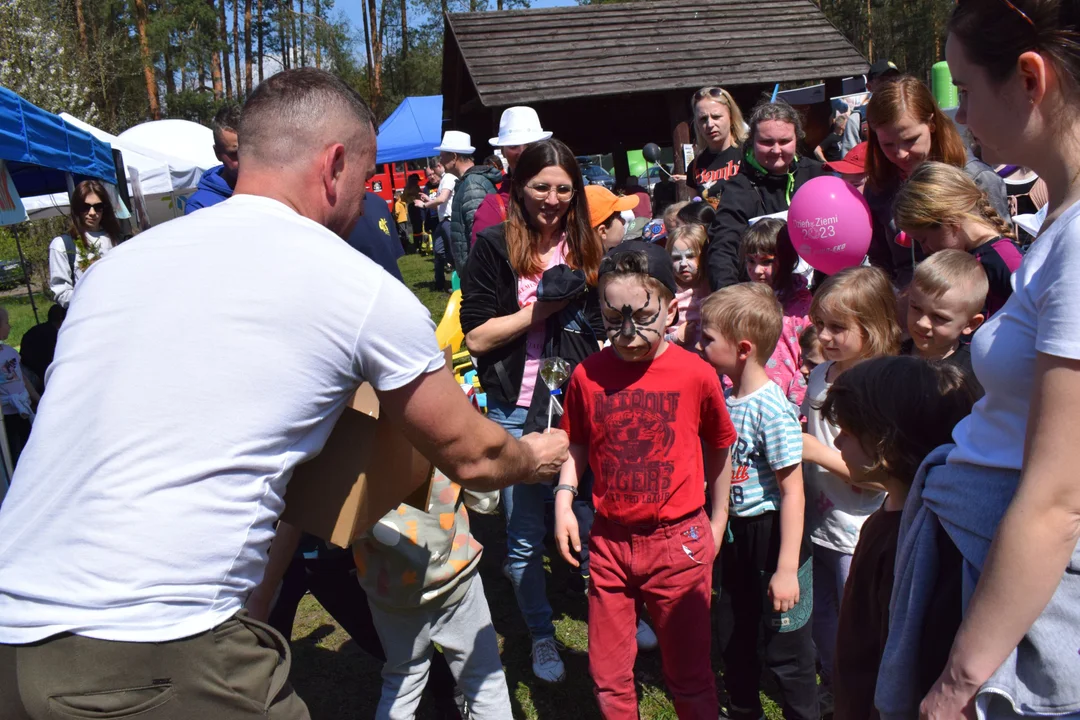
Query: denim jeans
525, 531
831, 570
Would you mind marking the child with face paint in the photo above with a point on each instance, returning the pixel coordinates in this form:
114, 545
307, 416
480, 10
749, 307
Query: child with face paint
649, 418
768, 257
686, 248
854, 312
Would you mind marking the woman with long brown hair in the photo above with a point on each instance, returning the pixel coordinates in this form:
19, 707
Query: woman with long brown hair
907, 128
93, 232
529, 293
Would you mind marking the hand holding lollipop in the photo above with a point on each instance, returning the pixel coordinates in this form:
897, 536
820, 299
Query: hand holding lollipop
554, 371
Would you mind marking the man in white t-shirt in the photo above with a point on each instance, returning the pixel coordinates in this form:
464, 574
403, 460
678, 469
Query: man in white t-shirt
197, 366
455, 154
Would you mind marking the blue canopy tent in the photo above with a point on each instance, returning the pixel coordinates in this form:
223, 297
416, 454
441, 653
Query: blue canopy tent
412, 131
44, 155
39, 149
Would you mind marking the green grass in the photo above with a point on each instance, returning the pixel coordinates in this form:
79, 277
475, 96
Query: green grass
419, 274
337, 680
21, 315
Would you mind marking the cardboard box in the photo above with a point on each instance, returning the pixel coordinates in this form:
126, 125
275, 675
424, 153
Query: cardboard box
366, 469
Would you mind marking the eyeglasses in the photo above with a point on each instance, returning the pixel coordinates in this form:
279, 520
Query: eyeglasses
542, 191
1016, 10
96, 207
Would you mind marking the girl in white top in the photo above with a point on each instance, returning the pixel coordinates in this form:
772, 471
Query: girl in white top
854, 312
94, 232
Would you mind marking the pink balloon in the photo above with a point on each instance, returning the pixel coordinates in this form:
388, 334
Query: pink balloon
830, 224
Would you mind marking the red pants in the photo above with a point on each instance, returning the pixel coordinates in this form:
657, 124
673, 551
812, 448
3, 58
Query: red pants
669, 567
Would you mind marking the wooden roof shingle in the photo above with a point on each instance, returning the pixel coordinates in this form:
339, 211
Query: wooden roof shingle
528, 56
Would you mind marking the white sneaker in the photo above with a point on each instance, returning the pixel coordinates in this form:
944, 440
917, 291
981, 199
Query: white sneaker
646, 638
546, 663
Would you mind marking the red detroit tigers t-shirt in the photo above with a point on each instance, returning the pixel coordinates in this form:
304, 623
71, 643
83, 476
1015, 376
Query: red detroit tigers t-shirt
644, 424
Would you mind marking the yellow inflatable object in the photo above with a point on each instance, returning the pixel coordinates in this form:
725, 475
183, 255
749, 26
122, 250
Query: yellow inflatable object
449, 332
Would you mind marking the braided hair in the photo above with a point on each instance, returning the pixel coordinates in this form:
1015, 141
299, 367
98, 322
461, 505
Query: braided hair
937, 194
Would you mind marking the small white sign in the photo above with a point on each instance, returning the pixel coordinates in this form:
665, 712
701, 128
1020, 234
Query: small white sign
688, 155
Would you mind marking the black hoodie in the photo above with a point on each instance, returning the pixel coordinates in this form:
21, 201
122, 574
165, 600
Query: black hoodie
749, 194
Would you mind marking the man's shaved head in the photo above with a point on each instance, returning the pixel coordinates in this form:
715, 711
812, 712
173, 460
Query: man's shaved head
296, 113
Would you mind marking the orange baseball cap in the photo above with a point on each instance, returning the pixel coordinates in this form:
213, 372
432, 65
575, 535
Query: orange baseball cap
603, 203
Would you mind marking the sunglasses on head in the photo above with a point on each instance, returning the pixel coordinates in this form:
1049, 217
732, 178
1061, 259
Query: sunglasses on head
1015, 9
705, 92
96, 207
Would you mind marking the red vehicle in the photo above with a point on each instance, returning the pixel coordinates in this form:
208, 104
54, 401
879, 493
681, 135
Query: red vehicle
389, 177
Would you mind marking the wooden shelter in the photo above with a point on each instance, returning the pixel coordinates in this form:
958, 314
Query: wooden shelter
612, 77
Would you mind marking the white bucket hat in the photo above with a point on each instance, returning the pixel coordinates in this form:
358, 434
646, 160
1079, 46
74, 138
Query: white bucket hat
455, 141
519, 126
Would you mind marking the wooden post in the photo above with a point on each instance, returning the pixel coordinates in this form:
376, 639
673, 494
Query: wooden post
622, 165
680, 135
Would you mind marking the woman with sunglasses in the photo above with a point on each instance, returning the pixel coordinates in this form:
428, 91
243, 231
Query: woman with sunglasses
511, 321
771, 172
1005, 498
719, 133
94, 231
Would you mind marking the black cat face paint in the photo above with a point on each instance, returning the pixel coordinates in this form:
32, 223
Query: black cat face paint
633, 318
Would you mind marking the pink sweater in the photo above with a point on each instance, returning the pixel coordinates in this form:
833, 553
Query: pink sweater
784, 365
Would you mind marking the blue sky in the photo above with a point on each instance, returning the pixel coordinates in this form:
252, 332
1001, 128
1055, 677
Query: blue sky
353, 8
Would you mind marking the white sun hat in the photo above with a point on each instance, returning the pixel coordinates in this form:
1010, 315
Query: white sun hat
455, 141
519, 126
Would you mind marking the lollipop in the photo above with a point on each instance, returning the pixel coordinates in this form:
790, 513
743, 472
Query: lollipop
554, 371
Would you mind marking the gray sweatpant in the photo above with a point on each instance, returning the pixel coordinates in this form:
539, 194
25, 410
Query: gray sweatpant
468, 640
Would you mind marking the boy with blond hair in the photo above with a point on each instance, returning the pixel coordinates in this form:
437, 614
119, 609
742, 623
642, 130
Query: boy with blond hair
766, 565
946, 301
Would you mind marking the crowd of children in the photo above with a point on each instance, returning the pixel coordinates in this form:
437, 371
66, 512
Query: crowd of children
745, 458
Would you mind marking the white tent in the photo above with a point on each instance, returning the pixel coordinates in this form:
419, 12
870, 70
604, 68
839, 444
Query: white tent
164, 178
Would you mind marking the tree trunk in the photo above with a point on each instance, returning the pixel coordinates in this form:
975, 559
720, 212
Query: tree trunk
224, 50
147, 61
376, 54
303, 37
80, 20
367, 47
259, 30
869, 32
170, 77
247, 46
444, 8
236, 47
284, 35
405, 44
315, 36
292, 36
382, 27
215, 65
500, 4
472, 5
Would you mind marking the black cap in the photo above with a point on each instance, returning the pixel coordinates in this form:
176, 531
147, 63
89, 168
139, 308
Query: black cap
658, 261
882, 68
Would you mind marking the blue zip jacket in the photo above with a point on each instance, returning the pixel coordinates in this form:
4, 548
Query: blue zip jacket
211, 190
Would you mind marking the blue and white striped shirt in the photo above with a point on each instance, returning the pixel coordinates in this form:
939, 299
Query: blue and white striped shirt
770, 439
